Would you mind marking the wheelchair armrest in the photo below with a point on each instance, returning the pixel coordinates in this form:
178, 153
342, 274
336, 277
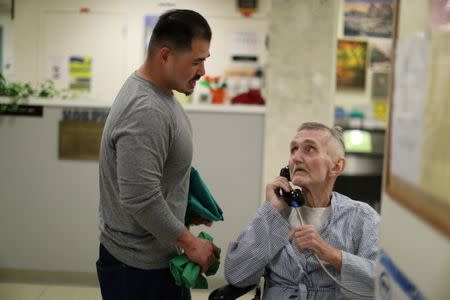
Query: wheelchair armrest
229, 292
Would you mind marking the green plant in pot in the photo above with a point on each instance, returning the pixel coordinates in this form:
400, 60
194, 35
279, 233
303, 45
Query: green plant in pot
15, 90
48, 90
20, 91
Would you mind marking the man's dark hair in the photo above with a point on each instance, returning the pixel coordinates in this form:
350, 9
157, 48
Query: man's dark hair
177, 28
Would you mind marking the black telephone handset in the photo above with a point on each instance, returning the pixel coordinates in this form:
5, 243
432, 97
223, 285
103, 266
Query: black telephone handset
295, 197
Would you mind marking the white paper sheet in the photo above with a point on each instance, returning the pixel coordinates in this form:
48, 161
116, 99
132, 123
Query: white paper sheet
410, 88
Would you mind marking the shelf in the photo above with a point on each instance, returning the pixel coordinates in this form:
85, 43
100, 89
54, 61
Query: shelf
89, 103
226, 108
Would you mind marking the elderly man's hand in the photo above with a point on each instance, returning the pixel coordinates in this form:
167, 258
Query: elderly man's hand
306, 237
272, 193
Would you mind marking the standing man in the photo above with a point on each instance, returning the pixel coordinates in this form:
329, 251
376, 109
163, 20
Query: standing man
145, 162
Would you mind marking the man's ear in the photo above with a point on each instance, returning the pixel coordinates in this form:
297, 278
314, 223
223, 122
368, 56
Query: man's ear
164, 54
337, 167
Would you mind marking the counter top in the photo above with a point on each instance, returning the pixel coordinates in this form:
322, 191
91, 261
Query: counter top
89, 103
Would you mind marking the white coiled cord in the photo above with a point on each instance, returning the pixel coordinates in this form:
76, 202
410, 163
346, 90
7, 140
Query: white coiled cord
299, 216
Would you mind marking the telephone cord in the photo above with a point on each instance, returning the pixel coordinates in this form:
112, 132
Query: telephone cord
299, 216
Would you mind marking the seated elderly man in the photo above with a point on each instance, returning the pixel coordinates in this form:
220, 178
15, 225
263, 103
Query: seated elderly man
339, 231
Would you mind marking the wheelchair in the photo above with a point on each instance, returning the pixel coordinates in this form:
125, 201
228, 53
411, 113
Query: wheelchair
231, 292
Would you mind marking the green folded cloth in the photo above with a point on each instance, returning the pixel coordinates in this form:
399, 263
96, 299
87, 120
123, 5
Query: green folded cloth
202, 204
200, 200
188, 273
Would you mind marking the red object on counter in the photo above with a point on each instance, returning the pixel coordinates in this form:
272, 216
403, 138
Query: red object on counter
251, 97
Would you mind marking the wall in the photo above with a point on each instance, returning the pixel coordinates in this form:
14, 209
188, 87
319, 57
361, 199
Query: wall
419, 250
222, 16
301, 74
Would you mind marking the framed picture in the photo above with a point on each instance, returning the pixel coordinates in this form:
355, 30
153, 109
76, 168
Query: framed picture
351, 64
380, 54
380, 85
368, 18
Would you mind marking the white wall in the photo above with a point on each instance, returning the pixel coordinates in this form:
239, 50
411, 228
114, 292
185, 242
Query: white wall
420, 251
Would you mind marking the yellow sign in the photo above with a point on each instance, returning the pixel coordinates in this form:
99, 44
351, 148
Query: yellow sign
80, 73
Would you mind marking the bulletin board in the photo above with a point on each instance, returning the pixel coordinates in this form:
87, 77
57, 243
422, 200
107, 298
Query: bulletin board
418, 153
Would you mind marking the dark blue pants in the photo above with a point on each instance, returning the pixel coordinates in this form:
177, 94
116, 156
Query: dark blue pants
121, 282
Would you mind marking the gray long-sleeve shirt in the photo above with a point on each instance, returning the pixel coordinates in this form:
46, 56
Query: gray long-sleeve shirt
145, 160
263, 249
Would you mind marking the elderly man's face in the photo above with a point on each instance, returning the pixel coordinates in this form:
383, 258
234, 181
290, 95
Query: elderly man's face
310, 161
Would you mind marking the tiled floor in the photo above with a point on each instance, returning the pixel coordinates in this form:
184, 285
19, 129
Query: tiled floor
18, 291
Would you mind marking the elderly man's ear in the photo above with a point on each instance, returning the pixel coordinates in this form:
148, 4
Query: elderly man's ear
338, 167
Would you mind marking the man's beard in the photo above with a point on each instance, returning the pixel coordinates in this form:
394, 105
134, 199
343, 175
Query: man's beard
195, 79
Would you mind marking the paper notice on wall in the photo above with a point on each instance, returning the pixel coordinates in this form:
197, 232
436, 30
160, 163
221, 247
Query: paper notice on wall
380, 110
8, 68
56, 70
435, 157
168, 4
80, 73
246, 44
408, 102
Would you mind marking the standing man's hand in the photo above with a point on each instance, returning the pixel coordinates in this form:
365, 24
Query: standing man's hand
197, 220
199, 251
306, 237
272, 193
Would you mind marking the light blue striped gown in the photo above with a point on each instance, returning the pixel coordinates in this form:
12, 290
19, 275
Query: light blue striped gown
263, 249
